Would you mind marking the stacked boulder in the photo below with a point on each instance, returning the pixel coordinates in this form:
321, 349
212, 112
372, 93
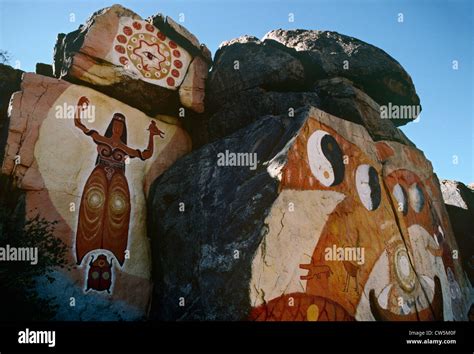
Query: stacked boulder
308, 202
459, 201
85, 144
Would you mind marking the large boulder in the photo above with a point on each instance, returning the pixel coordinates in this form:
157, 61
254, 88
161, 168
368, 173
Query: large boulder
78, 177
303, 218
252, 78
246, 63
459, 200
155, 65
327, 54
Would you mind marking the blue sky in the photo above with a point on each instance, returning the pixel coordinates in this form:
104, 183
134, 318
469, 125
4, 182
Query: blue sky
433, 34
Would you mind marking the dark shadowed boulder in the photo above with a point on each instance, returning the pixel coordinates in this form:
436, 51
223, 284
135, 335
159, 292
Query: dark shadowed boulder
246, 63
327, 54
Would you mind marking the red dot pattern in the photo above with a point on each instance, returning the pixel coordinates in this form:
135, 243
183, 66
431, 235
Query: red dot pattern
149, 27
175, 73
176, 53
120, 49
161, 36
121, 38
127, 30
170, 81
137, 25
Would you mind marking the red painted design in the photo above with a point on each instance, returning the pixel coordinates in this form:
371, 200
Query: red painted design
161, 36
120, 49
137, 25
149, 27
121, 38
170, 81
127, 30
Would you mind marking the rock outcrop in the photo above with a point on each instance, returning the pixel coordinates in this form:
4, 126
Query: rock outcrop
304, 200
307, 68
10, 80
315, 221
327, 54
57, 162
154, 65
459, 200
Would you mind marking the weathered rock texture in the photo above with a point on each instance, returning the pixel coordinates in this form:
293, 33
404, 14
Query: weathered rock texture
301, 204
156, 65
240, 241
459, 200
324, 55
10, 80
287, 70
50, 158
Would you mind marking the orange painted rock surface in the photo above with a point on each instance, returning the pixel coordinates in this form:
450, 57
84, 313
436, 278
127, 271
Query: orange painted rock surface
55, 159
328, 225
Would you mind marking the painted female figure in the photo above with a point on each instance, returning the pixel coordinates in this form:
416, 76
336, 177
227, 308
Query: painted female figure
104, 214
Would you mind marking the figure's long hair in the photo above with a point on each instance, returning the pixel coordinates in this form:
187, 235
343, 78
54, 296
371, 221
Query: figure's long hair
108, 133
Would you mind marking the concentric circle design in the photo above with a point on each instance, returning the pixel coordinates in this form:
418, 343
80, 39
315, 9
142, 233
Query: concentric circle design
95, 198
141, 47
118, 202
403, 270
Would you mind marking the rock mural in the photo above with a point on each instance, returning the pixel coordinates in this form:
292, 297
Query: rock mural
302, 202
344, 228
155, 65
87, 161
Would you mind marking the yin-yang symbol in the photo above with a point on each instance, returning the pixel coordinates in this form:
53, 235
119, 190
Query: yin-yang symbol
368, 186
325, 158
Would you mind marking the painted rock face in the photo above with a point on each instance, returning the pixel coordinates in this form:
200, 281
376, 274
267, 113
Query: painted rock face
143, 49
99, 277
364, 237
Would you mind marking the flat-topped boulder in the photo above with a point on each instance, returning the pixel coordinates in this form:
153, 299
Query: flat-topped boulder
155, 65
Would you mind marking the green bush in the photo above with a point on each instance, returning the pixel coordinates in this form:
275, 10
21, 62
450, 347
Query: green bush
19, 300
